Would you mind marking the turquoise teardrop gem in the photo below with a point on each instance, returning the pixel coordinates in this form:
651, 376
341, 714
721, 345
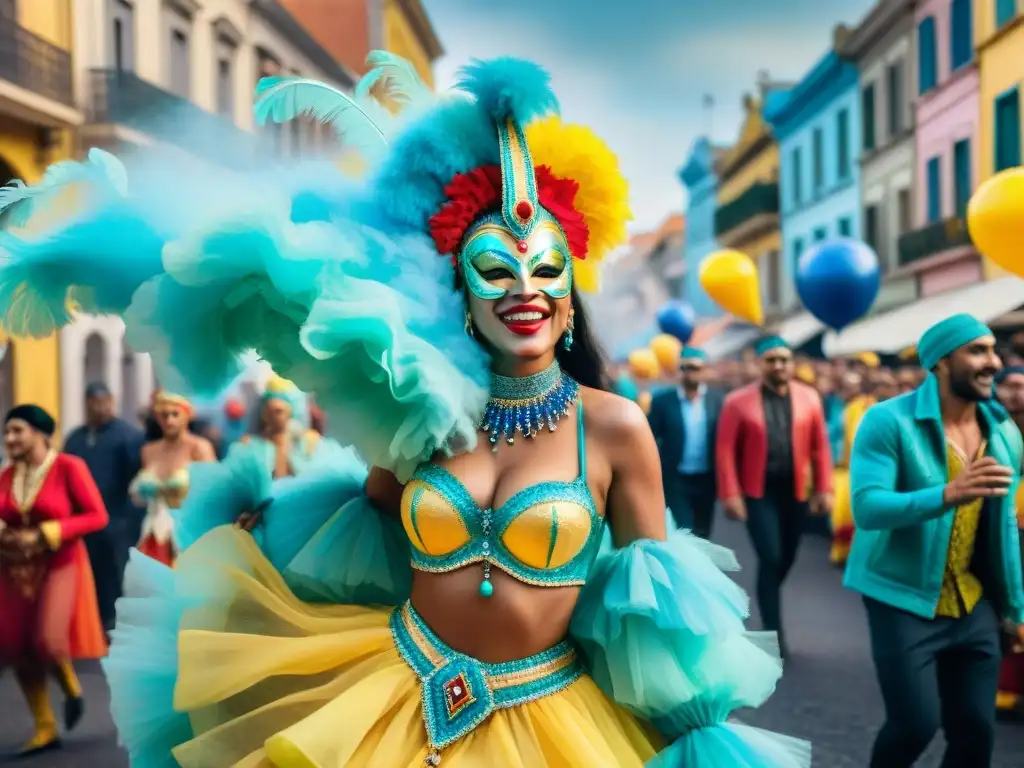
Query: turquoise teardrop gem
486, 588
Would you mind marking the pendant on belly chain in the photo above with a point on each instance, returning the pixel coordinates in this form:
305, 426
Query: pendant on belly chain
433, 757
486, 587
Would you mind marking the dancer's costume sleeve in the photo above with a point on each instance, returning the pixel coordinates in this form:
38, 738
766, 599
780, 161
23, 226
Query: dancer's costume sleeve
89, 513
661, 627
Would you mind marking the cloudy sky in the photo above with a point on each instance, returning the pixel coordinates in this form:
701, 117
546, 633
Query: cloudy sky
635, 70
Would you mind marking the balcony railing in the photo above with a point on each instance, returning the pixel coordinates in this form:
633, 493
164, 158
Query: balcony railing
932, 239
35, 64
119, 97
758, 199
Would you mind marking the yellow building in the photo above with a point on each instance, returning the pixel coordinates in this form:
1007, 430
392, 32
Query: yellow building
999, 40
409, 34
36, 112
747, 218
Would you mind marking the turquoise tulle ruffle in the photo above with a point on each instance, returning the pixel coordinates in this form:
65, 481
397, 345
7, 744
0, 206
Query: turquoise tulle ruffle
142, 667
662, 629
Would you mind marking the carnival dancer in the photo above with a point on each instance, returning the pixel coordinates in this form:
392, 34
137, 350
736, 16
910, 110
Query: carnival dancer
1010, 391
48, 611
162, 483
435, 299
772, 448
936, 555
285, 444
684, 421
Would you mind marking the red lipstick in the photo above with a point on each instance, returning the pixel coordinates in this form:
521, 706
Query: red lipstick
525, 319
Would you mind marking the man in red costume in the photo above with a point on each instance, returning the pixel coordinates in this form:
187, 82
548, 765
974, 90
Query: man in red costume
48, 610
771, 441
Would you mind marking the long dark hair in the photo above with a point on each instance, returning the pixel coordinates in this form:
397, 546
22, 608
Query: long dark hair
585, 361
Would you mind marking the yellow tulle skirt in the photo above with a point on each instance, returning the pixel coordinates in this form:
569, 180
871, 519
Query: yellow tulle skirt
271, 682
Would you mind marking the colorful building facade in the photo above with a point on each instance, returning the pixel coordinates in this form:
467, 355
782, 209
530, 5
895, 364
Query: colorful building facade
999, 39
37, 115
698, 176
747, 216
817, 125
938, 252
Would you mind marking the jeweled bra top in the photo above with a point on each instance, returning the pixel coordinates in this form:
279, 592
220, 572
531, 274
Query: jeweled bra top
545, 535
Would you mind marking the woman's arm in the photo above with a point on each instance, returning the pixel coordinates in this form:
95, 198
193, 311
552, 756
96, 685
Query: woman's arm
636, 497
385, 492
88, 513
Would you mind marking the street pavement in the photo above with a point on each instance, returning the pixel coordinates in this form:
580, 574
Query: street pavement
827, 695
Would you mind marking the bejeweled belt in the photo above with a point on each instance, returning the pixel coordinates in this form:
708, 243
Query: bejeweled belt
460, 692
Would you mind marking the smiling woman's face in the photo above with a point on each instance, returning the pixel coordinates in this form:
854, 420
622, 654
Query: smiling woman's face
518, 291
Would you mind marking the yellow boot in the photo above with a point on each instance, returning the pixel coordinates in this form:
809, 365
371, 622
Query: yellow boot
33, 685
74, 704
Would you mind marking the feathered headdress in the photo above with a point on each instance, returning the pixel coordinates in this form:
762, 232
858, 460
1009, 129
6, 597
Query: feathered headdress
495, 144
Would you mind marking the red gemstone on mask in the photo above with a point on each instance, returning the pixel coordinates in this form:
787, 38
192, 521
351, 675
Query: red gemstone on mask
524, 210
522, 246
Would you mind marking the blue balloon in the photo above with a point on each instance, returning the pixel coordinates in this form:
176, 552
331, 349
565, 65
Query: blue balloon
838, 281
678, 319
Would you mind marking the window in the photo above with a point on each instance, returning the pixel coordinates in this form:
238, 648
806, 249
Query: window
819, 160
95, 363
961, 175
871, 226
926, 55
903, 211
934, 180
843, 142
868, 111
773, 294
798, 196
895, 82
1005, 10
845, 227
122, 31
961, 46
798, 249
1007, 128
225, 89
181, 75
820, 234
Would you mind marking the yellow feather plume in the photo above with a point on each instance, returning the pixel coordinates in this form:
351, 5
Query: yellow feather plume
575, 152
278, 386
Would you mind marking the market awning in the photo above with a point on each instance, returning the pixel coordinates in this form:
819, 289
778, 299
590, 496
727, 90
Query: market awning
799, 329
730, 341
894, 331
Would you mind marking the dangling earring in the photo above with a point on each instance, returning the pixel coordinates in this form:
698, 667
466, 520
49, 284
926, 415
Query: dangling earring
469, 324
567, 339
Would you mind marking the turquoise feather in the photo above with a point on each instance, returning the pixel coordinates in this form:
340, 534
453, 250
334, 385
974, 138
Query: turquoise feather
400, 80
280, 99
18, 201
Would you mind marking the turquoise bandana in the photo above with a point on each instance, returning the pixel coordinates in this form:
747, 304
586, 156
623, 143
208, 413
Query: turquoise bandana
693, 353
766, 345
947, 336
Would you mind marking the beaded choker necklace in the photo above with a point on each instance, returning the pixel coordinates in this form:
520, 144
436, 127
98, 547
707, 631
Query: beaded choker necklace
524, 406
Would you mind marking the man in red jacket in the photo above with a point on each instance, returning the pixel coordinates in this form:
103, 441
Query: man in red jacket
771, 441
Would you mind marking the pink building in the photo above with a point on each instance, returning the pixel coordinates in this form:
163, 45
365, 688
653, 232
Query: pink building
938, 250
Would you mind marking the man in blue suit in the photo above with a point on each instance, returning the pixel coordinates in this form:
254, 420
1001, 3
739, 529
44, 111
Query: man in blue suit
684, 420
936, 556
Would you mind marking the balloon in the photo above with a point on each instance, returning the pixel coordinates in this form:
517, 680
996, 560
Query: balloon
667, 350
730, 278
677, 319
995, 219
644, 401
625, 387
644, 364
234, 409
838, 281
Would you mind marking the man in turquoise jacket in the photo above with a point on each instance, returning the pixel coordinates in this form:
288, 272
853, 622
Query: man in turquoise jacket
936, 556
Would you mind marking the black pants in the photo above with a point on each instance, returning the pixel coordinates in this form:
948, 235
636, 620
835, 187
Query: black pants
693, 502
935, 672
775, 524
108, 563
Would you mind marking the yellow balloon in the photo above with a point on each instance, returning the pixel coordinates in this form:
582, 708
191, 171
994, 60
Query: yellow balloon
730, 278
644, 401
667, 350
644, 364
995, 219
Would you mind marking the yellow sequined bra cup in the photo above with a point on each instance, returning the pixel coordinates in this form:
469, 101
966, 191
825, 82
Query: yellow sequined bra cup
543, 535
